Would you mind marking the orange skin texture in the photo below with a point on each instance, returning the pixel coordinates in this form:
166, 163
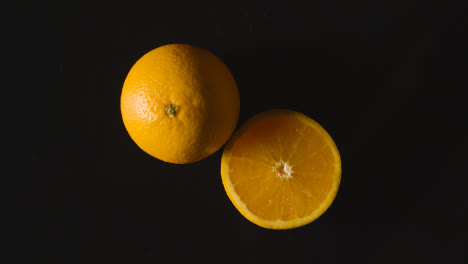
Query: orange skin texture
201, 89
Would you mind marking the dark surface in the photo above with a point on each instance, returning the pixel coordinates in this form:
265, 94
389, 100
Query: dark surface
384, 80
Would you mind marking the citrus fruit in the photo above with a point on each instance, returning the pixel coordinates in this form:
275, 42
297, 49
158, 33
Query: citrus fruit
180, 103
281, 169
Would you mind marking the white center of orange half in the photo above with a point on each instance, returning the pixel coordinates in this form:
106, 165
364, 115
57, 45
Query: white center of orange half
283, 170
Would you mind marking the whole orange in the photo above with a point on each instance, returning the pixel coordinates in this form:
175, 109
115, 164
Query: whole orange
180, 103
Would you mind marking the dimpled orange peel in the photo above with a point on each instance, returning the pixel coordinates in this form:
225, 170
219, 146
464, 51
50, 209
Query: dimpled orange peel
179, 103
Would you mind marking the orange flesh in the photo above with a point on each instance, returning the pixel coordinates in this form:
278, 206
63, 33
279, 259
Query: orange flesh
283, 168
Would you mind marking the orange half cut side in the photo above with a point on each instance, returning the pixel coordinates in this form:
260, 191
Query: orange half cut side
281, 169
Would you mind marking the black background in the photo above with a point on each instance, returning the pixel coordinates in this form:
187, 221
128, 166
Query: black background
385, 80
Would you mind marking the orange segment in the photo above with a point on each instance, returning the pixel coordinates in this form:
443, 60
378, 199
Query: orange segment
281, 169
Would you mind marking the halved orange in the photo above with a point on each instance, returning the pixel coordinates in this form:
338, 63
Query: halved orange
281, 169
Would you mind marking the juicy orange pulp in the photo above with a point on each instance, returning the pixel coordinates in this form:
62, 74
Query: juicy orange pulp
281, 169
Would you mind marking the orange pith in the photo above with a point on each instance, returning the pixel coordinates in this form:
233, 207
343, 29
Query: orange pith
281, 169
